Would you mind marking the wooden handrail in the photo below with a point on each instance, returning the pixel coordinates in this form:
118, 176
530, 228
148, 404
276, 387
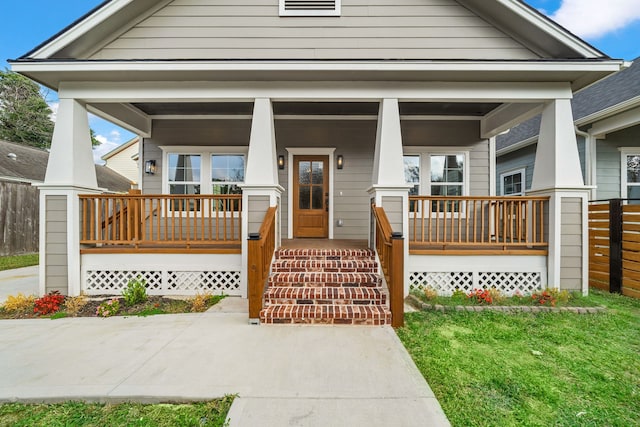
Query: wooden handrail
261, 247
481, 222
390, 248
160, 220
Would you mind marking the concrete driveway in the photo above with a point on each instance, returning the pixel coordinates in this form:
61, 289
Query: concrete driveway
284, 375
24, 280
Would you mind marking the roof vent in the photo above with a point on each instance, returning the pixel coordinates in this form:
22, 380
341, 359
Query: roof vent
12, 156
310, 7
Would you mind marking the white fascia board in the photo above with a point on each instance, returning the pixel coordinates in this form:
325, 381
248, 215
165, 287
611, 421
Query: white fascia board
471, 66
517, 146
615, 123
80, 29
607, 112
316, 91
548, 26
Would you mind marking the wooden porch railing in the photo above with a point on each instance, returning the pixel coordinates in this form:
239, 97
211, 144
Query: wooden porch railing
452, 223
261, 247
144, 220
390, 248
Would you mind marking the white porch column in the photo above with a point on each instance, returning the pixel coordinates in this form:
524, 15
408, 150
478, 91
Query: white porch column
389, 188
557, 174
261, 189
70, 172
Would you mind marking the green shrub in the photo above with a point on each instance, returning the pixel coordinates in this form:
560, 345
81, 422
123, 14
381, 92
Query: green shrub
135, 292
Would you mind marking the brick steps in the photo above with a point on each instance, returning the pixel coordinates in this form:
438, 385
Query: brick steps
327, 314
323, 296
325, 286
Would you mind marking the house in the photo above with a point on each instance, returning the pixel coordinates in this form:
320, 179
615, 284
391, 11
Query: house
607, 126
22, 169
124, 160
275, 121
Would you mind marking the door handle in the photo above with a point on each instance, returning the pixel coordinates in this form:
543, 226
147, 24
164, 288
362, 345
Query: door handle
326, 202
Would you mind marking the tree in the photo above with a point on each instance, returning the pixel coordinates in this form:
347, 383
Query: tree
24, 114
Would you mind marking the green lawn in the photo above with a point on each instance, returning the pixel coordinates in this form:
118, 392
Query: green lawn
18, 261
211, 413
551, 369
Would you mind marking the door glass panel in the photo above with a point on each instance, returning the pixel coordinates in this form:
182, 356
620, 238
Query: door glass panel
317, 175
304, 172
304, 198
316, 201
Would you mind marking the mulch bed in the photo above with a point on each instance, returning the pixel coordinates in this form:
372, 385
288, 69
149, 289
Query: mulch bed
153, 305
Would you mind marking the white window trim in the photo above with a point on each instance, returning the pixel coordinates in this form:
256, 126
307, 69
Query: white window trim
205, 152
523, 172
425, 167
311, 12
624, 152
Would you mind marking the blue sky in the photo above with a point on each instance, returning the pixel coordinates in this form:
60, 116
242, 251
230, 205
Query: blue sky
613, 26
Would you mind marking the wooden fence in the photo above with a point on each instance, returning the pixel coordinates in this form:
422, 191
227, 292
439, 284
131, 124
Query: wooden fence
19, 218
614, 246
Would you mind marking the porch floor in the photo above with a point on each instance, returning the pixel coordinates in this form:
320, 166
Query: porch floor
323, 244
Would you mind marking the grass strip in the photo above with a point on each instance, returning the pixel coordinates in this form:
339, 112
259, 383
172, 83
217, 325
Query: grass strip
212, 413
562, 369
18, 261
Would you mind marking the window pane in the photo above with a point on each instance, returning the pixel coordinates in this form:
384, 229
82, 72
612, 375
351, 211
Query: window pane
449, 168
184, 189
317, 174
227, 168
304, 172
446, 190
184, 167
633, 191
316, 202
226, 189
633, 168
412, 170
304, 201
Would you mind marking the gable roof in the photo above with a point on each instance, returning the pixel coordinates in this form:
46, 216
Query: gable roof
29, 164
120, 148
114, 17
588, 105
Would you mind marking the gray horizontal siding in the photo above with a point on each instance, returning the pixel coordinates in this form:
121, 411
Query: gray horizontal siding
227, 29
56, 264
571, 244
608, 165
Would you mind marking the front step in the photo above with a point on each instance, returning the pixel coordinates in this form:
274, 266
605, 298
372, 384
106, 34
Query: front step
325, 286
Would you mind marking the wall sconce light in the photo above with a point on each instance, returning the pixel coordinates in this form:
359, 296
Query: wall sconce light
281, 162
340, 161
150, 167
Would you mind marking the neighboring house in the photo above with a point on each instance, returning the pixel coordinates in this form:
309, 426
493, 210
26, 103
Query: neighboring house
314, 111
124, 160
22, 169
607, 125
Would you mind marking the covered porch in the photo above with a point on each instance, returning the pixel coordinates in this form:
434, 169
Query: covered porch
196, 226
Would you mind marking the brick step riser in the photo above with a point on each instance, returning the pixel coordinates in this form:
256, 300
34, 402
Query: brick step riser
324, 267
333, 285
298, 321
317, 301
324, 313
325, 253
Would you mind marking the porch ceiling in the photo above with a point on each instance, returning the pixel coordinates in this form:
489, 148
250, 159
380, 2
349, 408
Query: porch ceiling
472, 109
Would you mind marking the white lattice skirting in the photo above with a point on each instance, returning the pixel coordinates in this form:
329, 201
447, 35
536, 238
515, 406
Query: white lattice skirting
446, 274
170, 278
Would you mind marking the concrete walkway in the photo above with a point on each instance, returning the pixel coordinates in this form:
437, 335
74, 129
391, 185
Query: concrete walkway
19, 280
284, 375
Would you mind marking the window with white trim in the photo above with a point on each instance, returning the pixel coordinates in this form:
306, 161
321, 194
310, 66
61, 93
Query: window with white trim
512, 183
310, 7
436, 173
631, 185
196, 170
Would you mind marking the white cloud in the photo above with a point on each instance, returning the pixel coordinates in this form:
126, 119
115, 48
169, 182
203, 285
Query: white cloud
107, 144
54, 110
596, 18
